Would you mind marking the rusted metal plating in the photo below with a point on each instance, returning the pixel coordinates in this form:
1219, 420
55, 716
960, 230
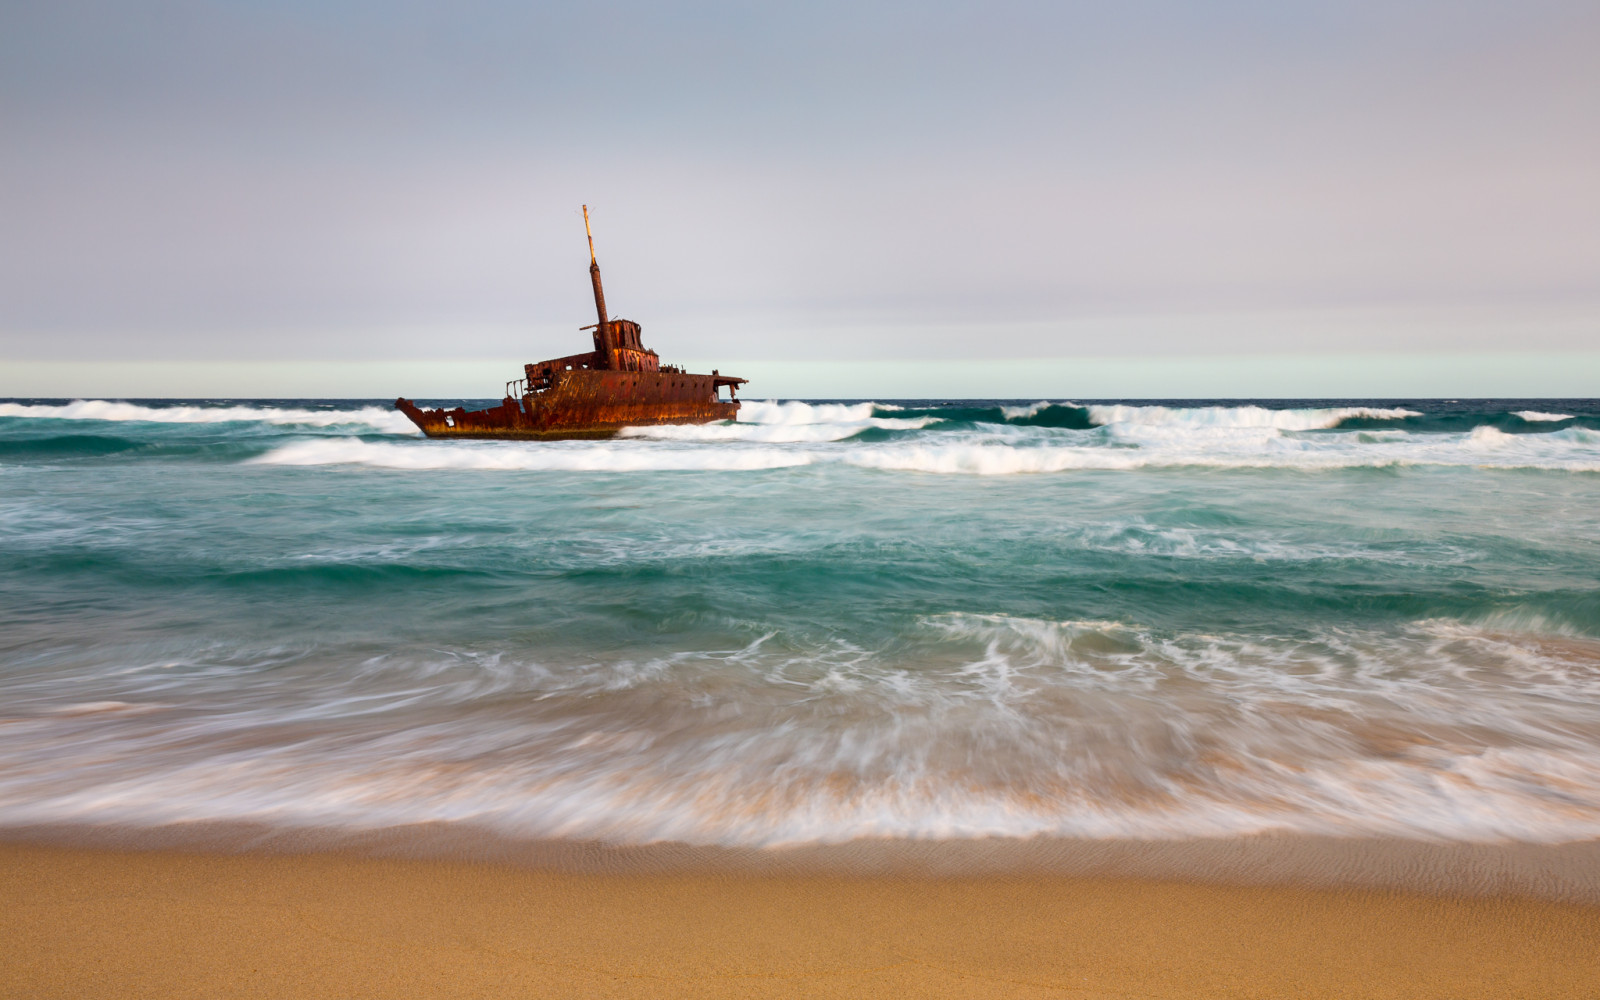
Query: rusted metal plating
621, 383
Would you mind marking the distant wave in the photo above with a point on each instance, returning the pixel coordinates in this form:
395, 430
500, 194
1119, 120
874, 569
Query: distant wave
958, 438
799, 422
1242, 416
1046, 413
112, 410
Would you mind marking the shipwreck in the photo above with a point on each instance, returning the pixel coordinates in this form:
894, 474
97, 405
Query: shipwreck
621, 383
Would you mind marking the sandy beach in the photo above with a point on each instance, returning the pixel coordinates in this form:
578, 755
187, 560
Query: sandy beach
96, 922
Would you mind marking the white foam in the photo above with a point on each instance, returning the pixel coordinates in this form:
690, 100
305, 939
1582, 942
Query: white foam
1003, 451
1535, 416
1031, 410
795, 413
973, 725
1230, 447
623, 456
792, 422
769, 433
1489, 437
1140, 537
992, 459
114, 410
1242, 416
772, 435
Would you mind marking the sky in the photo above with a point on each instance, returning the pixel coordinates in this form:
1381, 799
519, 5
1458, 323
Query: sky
999, 199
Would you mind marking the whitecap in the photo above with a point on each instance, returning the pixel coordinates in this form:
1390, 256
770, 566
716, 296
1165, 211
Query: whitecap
1486, 436
1242, 416
785, 423
379, 418
1031, 410
529, 456
1004, 451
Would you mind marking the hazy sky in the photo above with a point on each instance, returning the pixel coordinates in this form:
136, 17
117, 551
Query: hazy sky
332, 181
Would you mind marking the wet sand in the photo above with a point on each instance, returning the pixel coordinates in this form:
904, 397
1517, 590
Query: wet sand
82, 921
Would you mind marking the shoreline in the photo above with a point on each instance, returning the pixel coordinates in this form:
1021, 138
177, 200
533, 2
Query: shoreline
176, 923
1566, 873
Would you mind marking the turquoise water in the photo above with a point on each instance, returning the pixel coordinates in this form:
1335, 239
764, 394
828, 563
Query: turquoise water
824, 622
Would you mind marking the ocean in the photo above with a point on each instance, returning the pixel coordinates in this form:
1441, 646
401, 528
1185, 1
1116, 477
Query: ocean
829, 621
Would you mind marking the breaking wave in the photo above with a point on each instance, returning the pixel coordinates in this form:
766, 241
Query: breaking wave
375, 417
871, 436
948, 438
789, 423
1242, 416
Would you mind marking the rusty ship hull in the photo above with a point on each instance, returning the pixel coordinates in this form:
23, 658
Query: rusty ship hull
621, 383
584, 404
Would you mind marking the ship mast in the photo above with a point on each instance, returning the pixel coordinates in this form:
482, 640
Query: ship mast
602, 332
